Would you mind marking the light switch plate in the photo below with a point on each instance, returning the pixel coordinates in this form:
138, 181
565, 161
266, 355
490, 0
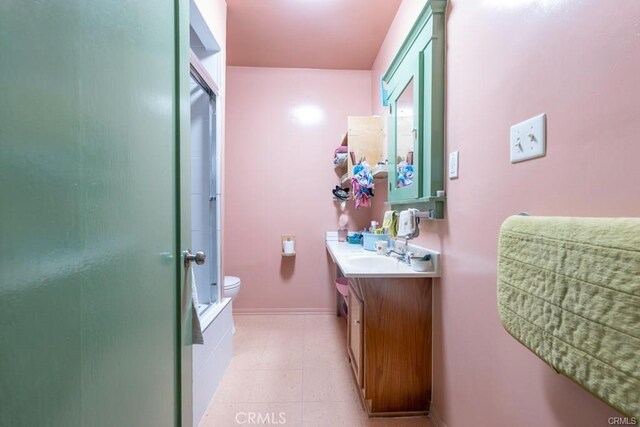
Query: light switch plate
527, 139
453, 165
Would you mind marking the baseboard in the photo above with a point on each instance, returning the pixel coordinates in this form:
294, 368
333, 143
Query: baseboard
284, 310
435, 417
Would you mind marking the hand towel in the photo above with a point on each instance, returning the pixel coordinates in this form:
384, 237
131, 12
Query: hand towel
196, 327
390, 223
408, 224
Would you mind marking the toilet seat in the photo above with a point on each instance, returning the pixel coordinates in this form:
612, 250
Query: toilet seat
231, 282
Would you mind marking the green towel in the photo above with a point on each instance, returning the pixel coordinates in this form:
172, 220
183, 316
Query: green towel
569, 290
390, 223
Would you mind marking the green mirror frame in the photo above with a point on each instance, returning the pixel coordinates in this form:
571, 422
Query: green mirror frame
421, 60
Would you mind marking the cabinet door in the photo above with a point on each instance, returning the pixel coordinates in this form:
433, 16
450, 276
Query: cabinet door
404, 149
355, 334
365, 140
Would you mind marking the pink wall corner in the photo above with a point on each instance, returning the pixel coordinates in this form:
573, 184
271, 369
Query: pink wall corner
509, 60
278, 180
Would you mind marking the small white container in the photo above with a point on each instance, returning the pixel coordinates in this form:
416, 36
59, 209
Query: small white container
419, 265
381, 247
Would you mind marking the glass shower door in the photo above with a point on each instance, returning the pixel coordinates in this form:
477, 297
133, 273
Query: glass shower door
204, 194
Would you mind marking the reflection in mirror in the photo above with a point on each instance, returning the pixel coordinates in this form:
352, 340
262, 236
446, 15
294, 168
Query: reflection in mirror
406, 134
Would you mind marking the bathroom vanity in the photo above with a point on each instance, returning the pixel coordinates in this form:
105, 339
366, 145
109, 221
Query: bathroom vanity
389, 343
389, 329
389, 304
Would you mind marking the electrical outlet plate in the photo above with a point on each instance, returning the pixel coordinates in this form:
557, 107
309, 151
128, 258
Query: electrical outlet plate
527, 139
453, 165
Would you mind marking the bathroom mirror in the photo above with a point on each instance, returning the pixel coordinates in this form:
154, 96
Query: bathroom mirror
405, 137
403, 131
414, 84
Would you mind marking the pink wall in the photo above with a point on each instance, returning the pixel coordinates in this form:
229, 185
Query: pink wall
278, 180
508, 60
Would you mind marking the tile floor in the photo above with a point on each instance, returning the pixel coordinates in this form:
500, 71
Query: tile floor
291, 370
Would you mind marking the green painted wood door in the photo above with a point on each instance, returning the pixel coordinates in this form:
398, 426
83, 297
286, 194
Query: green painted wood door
90, 277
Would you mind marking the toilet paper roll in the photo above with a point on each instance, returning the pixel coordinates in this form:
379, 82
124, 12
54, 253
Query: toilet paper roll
289, 247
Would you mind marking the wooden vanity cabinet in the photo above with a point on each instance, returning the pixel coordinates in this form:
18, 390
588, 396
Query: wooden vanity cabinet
389, 343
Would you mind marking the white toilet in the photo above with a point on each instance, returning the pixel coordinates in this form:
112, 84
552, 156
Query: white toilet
231, 289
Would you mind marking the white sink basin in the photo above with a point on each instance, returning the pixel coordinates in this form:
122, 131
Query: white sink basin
375, 263
376, 266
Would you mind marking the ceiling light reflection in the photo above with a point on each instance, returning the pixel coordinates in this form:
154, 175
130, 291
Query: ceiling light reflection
308, 115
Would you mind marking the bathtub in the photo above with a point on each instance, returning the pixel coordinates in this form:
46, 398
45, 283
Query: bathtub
211, 360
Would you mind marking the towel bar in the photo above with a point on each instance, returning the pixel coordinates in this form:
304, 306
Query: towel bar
430, 214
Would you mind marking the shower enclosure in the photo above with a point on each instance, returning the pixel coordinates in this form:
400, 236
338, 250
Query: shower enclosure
205, 191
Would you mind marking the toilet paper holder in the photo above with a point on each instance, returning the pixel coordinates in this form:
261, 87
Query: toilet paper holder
288, 245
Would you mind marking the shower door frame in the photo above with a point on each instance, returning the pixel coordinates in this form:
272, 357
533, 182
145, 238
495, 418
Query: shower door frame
204, 79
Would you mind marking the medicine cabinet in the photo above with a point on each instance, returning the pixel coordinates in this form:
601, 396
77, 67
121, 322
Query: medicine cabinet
415, 95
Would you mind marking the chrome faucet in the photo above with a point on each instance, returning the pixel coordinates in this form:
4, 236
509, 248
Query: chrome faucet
402, 256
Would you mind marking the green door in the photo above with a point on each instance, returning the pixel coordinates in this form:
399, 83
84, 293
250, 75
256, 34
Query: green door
90, 276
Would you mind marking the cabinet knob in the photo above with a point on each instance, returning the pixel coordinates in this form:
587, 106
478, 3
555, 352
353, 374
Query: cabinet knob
356, 322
